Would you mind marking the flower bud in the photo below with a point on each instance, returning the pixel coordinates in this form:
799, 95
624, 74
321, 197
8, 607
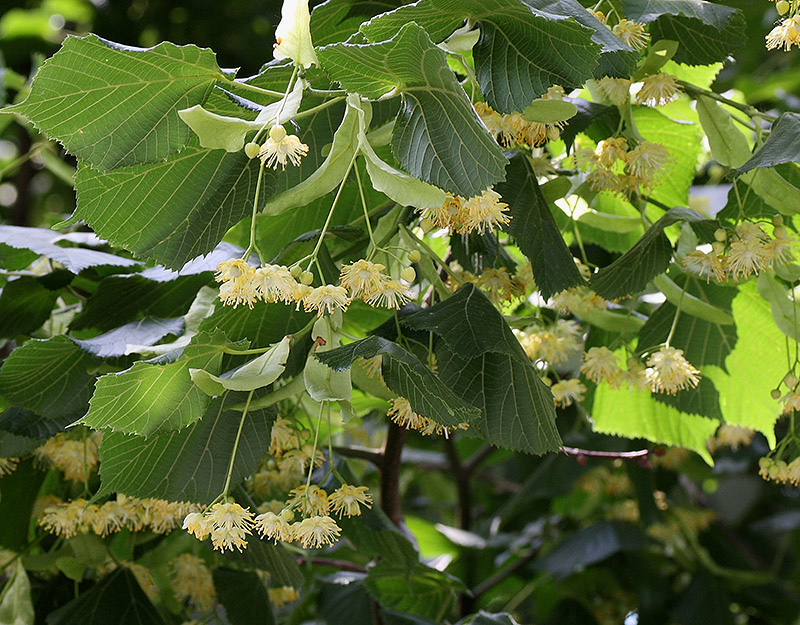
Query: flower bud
775, 393
287, 515
790, 380
777, 220
721, 235
277, 133
718, 247
296, 271
414, 256
252, 149
306, 277
408, 274
783, 7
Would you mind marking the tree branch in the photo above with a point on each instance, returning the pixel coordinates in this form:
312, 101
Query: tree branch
342, 565
375, 456
391, 501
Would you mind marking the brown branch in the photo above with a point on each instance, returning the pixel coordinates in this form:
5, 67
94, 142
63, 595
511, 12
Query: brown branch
391, 500
375, 456
471, 463
342, 565
498, 577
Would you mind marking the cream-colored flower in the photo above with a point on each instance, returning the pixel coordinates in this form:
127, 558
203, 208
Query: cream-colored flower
274, 526
238, 283
347, 499
230, 523
578, 300
730, 436
600, 365
658, 90
780, 249
632, 34
669, 372
611, 150
363, 279
197, 524
615, 90
316, 531
298, 459
326, 299
707, 265
747, 256
393, 294
566, 392
77, 459
403, 415
314, 501
497, 284
785, 35
483, 212
647, 160
293, 34
192, 582
282, 437
281, 147
275, 283
64, 519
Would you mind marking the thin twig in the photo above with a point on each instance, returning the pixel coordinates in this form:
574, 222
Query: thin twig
498, 577
342, 565
375, 456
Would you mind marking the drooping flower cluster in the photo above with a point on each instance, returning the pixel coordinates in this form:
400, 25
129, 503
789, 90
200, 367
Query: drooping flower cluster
578, 300
510, 130
192, 582
780, 471
365, 281
616, 168
787, 32
227, 524
669, 372
481, 213
633, 34
74, 517
565, 392
731, 436
497, 284
658, 90
404, 416
76, 458
744, 252
554, 344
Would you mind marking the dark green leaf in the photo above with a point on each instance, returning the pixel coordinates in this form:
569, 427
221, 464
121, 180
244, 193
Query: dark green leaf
703, 400
274, 559
31, 425
591, 545
147, 331
243, 596
44, 242
344, 601
408, 377
116, 600
189, 464
535, 230
14, 446
26, 304
19, 490
149, 398
437, 136
337, 20
650, 257
707, 32
596, 120
113, 105
782, 145
48, 377
485, 618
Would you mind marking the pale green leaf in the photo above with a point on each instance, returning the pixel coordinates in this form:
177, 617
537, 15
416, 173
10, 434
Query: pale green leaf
728, 144
16, 606
549, 111
217, 132
785, 311
437, 136
113, 105
190, 464
690, 304
149, 398
782, 145
322, 382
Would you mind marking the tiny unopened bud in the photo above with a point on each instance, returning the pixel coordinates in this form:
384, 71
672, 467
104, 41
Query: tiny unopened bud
783, 7
287, 515
408, 274
777, 220
296, 271
720, 234
718, 247
306, 277
790, 380
277, 133
414, 256
775, 393
779, 232
426, 225
252, 149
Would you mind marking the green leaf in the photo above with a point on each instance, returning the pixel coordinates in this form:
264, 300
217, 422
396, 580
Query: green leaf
173, 210
31, 426
189, 464
322, 382
20, 490
408, 377
437, 136
485, 618
45, 242
484, 362
549, 111
48, 377
728, 144
16, 606
650, 257
690, 304
147, 331
26, 304
116, 600
782, 145
785, 311
274, 559
114, 106
149, 398
244, 597
423, 591
337, 20
535, 230
257, 373
707, 32
264, 325
524, 47
636, 414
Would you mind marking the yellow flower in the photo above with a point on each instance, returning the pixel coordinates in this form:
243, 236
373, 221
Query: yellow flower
632, 34
274, 526
314, 501
785, 35
658, 89
706, 264
403, 415
275, 283
326, 299
282, 437
197, 524
647, 160
363, 279
347, 499
610, 150
230, 523
498, 283
615, 90
8, 465
730, 436
483, 212
281, 147
393, 294
600, 365
64, 519
192, 582
238, 283
293, 34
747, 256
279, 597
578, 300
76, 459
604, 180
669, 372
298, 459
567, 391
316, 531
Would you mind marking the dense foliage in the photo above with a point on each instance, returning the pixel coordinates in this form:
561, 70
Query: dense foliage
451, 312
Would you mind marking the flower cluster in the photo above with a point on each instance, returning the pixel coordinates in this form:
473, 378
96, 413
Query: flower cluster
77, 459
669, 372
787, 33
658, 90
509, 130
780, 471
227, 524
404, 416
633, 34
281, 147
8, 465
156, 515
477, 214
497, 284
744, 252
555, 344
578, 300
731, 436
616, 168
565, 392
364, 280
192, 582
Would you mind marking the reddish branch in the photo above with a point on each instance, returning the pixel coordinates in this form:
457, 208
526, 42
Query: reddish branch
639, 456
